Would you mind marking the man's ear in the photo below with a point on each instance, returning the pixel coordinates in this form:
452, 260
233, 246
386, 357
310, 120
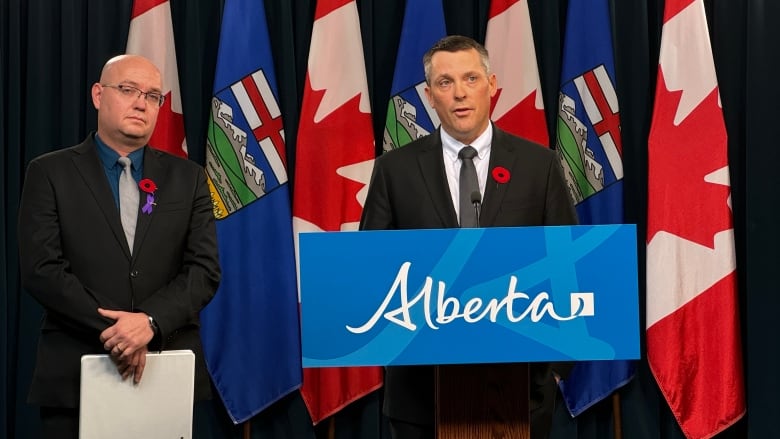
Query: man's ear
97, 95
428, 95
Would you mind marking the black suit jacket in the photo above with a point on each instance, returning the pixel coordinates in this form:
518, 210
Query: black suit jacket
74, 258
409, 190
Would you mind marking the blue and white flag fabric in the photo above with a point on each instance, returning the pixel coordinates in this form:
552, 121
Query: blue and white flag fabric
590, 149
409, 116
250, 330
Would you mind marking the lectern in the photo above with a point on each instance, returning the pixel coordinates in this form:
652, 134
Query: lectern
478, 303
482, 401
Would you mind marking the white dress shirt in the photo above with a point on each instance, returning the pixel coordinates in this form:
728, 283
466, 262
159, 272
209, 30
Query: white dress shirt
450, 149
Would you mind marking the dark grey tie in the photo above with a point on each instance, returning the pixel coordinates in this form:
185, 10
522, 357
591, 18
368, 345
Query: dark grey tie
128, 200
468, 183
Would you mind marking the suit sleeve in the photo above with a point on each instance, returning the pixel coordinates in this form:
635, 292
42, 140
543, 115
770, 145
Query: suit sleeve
559, 209
180, 301
377, 212
45, 272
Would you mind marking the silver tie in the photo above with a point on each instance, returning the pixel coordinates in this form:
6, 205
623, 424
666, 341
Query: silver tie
468, 184
128, 200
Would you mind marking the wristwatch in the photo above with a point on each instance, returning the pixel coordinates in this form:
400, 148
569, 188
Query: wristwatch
153, 325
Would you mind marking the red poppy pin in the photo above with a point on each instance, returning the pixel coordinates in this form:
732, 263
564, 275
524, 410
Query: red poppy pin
501, 174
149, 187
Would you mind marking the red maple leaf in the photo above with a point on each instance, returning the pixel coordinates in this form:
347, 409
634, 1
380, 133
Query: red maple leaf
168, 134
341, 138
680, 201
524, 119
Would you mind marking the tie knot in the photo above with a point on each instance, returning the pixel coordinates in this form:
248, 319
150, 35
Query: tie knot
467, 152
125, 162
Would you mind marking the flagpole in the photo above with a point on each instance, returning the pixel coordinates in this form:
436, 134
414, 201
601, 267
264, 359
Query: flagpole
616, 416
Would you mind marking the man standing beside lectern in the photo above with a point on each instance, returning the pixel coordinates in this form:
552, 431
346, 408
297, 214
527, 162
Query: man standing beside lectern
117, 242
432, 183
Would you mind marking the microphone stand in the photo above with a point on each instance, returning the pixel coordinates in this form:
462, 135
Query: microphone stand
476, 200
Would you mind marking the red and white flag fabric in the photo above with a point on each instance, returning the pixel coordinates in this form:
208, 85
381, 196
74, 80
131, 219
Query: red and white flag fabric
517, 107
693, 329
151, 35
334, 159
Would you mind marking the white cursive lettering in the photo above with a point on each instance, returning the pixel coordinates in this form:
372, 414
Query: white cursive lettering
516, 305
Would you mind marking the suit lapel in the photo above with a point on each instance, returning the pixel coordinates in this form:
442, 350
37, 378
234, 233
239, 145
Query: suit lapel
154, 170
500, 155
90, 167
431, 164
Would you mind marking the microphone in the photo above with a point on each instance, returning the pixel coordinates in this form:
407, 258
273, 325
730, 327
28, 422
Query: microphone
476, 200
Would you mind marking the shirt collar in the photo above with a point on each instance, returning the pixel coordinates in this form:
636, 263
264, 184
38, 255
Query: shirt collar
482, 143
109, 157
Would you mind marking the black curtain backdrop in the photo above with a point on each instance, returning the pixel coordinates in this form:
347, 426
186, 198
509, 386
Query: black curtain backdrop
51, 52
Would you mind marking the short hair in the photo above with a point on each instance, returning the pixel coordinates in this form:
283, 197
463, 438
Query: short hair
454, 43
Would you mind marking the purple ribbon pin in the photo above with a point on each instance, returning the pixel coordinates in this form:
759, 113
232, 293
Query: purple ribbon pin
147, 209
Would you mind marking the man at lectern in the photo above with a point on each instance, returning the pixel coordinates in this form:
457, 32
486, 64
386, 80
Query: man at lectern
467, 173
117, 241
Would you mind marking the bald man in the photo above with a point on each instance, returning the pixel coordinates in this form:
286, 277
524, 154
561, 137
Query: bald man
108, 285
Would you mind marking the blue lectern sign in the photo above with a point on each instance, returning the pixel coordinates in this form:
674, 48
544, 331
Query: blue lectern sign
454, 296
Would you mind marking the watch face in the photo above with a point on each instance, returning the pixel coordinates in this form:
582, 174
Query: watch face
153, 324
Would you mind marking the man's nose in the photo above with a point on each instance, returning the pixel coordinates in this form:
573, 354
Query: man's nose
459, 90
140, 101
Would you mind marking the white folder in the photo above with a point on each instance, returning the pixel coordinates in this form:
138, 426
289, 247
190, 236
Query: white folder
160, 406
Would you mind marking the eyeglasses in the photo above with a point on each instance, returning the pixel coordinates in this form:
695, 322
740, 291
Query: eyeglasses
130, 92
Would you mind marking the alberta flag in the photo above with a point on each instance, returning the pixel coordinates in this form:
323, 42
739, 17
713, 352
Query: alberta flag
251, 333
590, 150
409, 116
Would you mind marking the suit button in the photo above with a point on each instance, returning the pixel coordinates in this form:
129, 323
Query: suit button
134, 273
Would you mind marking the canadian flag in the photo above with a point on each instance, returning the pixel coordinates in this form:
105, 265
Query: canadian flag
151, 36
334, 159
517, 107
693, 332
